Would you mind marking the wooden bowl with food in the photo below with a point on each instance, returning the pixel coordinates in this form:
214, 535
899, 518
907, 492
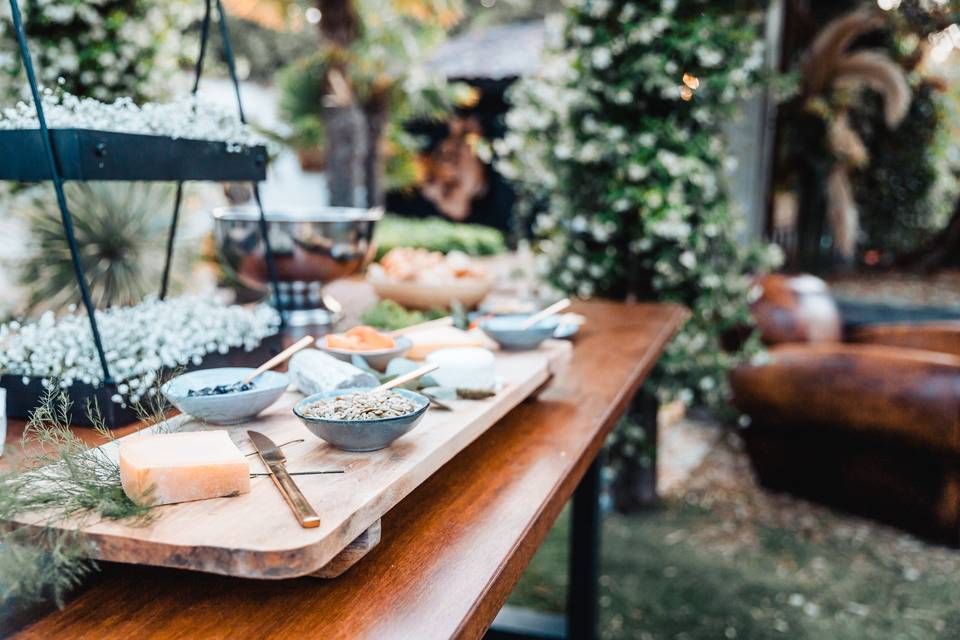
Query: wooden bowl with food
421, 279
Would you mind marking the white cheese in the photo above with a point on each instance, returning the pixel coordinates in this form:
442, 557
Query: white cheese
469, 368
314, 371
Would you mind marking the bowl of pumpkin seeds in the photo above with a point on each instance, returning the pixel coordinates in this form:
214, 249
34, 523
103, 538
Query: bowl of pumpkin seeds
361, 419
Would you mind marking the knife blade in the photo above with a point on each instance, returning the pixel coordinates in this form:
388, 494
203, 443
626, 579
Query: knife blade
275, 461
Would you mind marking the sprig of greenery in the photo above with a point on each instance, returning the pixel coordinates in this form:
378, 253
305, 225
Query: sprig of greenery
390, 316
46, 563
65, 477
61, 479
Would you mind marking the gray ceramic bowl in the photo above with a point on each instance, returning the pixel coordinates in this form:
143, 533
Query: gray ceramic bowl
362, 435
378, 359
229, 408
508, 334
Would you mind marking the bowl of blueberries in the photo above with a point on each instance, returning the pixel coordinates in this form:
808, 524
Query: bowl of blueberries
219, 396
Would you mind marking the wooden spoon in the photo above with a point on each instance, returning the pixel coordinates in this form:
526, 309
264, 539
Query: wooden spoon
445, 321
280, 358
553, 309
407, 377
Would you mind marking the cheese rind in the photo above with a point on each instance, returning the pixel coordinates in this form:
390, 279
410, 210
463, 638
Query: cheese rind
181, 467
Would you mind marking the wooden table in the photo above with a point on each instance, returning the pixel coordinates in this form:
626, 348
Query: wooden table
451, 552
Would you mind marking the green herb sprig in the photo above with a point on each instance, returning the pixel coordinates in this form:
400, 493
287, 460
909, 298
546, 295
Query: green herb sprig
61, 479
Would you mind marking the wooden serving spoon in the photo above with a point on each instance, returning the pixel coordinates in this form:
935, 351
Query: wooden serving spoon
280, 358
553, 309
407, 377
445, 321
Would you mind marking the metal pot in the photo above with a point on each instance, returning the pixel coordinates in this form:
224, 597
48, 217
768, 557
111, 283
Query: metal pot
311, 247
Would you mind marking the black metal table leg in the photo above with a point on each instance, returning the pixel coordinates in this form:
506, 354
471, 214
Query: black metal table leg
583, 591
582, 617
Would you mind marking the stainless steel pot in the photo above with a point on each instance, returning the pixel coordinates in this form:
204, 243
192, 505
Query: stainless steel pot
311, 247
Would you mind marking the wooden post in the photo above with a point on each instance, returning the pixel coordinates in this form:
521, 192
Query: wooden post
348, 134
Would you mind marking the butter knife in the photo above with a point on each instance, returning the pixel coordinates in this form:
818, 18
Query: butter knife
275, 462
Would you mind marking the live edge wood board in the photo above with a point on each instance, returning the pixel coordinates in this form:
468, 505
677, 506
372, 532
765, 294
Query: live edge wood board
256, 535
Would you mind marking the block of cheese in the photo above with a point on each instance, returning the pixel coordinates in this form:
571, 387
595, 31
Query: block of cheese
433, 339
314, 371
180, 467
467, 368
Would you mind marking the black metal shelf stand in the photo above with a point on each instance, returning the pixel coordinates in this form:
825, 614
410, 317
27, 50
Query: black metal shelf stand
62, 146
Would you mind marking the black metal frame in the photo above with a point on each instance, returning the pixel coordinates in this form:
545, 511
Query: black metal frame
87, 154
582, 617
56, 174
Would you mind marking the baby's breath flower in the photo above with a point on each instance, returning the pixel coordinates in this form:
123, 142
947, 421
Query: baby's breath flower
139, 340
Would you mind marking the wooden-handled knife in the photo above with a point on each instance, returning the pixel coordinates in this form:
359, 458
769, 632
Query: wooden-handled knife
275, 462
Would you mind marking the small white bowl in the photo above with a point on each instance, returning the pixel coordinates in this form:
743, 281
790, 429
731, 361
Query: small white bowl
228, 408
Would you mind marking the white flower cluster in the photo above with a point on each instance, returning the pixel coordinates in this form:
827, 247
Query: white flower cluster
139, 342
103, 48
188, 118
632, 198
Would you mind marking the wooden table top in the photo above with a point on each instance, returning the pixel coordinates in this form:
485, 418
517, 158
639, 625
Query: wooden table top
451, 552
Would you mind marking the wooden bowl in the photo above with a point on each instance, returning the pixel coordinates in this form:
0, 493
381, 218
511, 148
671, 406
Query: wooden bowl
418, 295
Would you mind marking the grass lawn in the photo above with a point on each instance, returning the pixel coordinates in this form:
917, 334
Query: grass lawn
713, 566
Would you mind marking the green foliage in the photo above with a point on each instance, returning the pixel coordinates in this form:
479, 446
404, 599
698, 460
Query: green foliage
384, 72
66, 477
905, 188
121, 229
105, 50
32, 569
390, 316
893, 190
260, 51
437, 234
618, 143
681, 571
61, 479
301, 97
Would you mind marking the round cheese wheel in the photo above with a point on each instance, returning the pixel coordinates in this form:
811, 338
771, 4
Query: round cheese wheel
464, 368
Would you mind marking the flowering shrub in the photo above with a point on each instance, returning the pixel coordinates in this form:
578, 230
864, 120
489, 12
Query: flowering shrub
617, 149
105, 49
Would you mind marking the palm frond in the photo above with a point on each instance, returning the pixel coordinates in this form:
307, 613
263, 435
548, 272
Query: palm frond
842, 212
845, 143
883, 75
832, 41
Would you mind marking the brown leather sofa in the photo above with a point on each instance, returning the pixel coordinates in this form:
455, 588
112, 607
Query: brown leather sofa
870, 424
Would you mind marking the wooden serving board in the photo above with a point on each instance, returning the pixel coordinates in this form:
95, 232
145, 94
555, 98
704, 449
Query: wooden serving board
257, 536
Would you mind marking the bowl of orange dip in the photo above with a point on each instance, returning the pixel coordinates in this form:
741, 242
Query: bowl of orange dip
377, 348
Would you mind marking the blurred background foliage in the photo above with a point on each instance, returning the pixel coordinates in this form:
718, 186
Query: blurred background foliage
104, 49
122, 244
374, 78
